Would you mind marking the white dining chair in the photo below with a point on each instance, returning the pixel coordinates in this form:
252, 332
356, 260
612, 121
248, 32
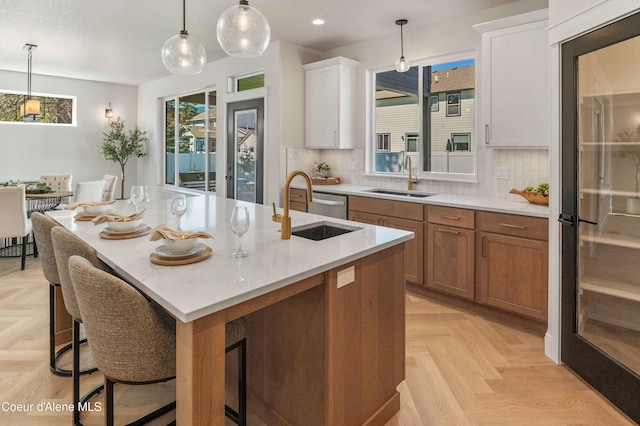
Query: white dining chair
89, 191
58, 182
109, 188
14, 223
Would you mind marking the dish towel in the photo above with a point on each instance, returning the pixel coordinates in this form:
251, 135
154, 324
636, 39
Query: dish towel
115, 217
165, 232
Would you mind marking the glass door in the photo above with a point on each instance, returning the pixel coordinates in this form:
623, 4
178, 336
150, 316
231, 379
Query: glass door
601, 210
245, 142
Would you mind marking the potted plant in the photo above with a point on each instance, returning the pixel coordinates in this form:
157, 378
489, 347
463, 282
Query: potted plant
630, 148
118, 146
321, 169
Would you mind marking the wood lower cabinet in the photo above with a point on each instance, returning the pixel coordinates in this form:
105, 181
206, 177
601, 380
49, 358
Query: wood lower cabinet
298, 199
450, 251
398, 215
512, 262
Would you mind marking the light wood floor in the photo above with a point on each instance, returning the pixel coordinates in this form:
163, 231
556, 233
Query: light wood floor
466, 365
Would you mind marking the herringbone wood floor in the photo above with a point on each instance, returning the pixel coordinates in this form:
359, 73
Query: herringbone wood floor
466, 365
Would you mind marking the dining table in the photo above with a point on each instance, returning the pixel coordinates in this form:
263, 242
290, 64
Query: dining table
40, 201
306, 302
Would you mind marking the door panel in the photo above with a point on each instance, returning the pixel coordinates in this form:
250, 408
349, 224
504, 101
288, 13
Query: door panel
601, 211
245, 150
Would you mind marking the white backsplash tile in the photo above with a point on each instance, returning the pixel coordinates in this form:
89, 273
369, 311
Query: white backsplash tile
525, 167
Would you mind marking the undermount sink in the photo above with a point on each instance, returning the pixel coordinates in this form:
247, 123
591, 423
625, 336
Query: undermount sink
319, 231
398, 193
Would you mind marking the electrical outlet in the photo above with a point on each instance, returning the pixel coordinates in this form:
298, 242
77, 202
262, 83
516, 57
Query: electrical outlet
346, 276
353, 166
502, 173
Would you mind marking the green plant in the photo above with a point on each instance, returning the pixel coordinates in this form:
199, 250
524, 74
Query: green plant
630, 139
542, 188
118, 146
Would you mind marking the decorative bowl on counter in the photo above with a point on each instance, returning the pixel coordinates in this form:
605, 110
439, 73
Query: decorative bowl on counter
532, 196
123, 226
95, 209
180, 246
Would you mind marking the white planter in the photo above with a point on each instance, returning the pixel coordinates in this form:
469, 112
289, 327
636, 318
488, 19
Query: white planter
633, 205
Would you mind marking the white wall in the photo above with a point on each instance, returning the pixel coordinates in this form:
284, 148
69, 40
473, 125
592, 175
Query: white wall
526, 167
284, 110
29, 151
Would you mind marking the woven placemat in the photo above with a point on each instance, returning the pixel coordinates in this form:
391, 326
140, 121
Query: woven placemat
159, 260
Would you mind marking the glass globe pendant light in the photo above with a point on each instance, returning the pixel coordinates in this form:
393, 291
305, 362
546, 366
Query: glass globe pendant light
402, 65
182, 53
243, 31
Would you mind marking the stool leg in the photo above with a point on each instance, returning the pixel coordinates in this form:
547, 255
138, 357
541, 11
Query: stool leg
108, 385
242, 383
76, 371
24, 252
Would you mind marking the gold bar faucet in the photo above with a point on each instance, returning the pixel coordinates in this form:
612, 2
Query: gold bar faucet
284, 219
411, 182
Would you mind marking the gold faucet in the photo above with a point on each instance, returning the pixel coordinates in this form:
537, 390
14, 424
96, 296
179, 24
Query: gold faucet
284, 219
410, 182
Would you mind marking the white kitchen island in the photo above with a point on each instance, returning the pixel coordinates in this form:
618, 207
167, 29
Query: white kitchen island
326, 318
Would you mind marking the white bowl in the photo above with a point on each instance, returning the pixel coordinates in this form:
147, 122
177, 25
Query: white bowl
129, 225
94, 209
180, 246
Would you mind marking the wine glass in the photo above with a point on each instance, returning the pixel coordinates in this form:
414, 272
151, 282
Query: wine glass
179, 207
240, 222
137, 196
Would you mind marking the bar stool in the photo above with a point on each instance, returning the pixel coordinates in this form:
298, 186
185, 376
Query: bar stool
132, 338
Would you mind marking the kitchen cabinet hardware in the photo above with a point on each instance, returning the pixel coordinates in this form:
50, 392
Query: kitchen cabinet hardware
508, 225
587, 221
451, 217
448, 231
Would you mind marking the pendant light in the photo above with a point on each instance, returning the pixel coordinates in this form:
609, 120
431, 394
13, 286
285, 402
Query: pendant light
182, 53
243, 31
30, 106
402, 65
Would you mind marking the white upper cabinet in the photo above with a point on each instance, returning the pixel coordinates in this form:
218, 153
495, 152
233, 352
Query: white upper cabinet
330, 103
515, 81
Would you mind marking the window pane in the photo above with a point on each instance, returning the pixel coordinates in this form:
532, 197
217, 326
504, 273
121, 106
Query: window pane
252, 82
396, 114
52, 110
170, 141
191, 155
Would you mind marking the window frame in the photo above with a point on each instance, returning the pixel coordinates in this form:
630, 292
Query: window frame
386, 142
414, 136
456, 104
234, 81
453, 142
74, 108
371, 140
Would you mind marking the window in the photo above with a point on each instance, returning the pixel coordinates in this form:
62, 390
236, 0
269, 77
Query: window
461, 141
419, 111
411, 140
244, 82
53, 110
383, 142
453, 104
191, 121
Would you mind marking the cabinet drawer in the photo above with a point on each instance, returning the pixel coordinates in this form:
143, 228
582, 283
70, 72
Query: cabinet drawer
411, 211
301, 207
451, 216
515, 225
298, 195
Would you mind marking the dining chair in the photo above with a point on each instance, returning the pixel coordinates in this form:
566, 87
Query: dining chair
109, 188
89, 191
58, 182
133, 339
14, 222
65, 245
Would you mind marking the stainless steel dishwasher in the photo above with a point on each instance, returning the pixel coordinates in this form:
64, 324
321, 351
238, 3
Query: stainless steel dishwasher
331, 205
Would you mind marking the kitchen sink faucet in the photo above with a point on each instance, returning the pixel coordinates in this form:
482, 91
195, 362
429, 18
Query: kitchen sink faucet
410, 182
284, 219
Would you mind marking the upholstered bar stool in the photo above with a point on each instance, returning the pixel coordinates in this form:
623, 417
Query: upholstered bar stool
42, 226
132, 338
65, 245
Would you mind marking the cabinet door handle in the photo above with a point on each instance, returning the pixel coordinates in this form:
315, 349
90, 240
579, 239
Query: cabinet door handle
448, 231
451, 217
508, 225
484, 245
486, 134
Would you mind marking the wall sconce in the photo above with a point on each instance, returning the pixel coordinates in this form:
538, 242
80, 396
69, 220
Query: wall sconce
108, 112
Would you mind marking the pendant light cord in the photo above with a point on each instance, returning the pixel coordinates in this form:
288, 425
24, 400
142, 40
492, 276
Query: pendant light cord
401, 42
29, 75
184, 19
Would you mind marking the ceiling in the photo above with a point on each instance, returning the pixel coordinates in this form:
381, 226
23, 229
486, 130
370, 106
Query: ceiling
119, 41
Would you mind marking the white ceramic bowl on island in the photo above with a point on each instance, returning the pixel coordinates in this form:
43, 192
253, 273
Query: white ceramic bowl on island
123, 226
180, 246
95, 209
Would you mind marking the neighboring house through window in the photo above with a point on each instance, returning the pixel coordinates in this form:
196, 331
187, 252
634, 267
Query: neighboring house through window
384, 142
411, 142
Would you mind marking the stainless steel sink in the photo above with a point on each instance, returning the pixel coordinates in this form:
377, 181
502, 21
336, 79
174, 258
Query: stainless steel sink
319, 231
398, 193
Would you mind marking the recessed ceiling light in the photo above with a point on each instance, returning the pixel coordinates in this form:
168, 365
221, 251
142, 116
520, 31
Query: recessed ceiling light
318, 21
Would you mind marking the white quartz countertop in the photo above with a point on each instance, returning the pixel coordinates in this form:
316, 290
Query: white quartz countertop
516, 205
192, 291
